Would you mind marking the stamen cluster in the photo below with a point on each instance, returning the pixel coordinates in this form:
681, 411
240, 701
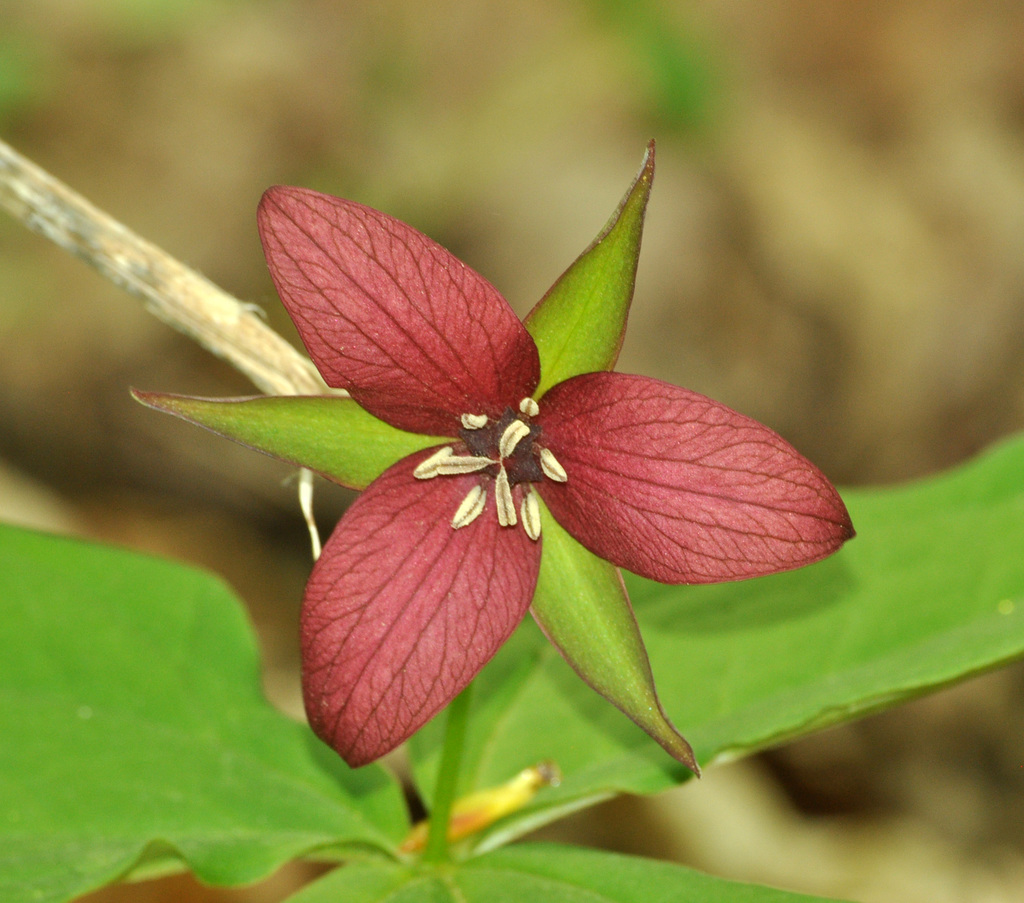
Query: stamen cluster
505, 451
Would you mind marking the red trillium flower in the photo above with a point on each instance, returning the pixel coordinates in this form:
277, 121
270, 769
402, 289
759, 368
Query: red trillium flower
435, 564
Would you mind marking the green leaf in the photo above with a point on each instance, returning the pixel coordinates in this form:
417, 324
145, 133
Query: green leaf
930, 592
580, 323
136, 737
582, 607
331, 435
537, 872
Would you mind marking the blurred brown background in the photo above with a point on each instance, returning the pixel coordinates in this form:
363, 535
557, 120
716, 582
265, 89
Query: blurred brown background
835, 245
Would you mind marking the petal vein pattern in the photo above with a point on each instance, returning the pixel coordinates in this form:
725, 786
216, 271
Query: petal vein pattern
402, 611
416, 336
679, 488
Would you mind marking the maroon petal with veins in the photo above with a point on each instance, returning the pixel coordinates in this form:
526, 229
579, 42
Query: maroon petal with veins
679, 488
416, 336
402, 610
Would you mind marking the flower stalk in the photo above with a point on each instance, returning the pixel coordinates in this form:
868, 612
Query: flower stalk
448, 776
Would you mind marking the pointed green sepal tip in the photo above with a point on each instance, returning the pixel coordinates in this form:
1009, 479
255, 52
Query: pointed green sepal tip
580, 323
582, 606
330, 435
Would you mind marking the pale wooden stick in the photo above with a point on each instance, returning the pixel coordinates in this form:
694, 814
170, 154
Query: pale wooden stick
170, 290
176, 294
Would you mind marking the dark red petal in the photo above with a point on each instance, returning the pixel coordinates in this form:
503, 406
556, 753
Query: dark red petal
679, 488
402, 611
416, 336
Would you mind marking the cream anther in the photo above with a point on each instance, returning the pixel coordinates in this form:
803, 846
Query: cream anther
471, 508
458, 464
530, 512
428, 468
514, 432
529, 407
552, 469
503, 498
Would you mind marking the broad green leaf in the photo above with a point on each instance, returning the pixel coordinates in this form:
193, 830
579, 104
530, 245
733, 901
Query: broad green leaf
537, 872
136, 737
582, 607
930, 592
580, 323
331, 435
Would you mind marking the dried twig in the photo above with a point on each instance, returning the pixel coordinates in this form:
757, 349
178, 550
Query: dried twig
176, 294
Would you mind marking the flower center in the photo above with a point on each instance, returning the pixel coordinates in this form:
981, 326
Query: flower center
504, 452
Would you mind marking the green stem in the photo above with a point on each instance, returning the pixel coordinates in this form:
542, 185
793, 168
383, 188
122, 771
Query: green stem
447, 777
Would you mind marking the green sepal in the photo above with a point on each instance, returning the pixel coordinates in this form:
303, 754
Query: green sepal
582, 606
331, 435
580, 323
